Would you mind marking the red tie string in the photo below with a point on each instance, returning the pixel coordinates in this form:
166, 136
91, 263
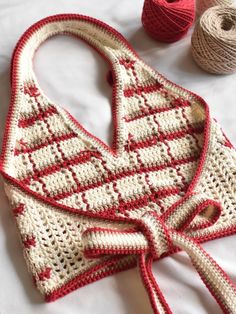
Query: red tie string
157, 235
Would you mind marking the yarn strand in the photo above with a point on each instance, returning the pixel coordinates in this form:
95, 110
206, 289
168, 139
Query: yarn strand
203, 5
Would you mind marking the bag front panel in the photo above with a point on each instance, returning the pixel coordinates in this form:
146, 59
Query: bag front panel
163, 131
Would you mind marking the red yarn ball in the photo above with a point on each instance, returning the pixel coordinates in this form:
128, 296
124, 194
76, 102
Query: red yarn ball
168, 20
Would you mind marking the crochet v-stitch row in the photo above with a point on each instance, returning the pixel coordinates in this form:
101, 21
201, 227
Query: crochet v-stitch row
85, 210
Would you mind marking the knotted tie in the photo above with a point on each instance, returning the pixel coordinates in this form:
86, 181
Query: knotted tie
156, 235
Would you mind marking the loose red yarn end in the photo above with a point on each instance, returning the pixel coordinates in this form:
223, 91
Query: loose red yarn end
168, 20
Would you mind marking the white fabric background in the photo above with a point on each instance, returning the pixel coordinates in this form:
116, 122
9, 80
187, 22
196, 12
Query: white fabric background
73, 75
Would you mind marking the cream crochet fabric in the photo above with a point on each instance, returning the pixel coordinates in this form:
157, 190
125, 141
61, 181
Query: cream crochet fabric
85, 210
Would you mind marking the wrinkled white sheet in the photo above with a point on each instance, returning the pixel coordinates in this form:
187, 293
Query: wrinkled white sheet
73, 75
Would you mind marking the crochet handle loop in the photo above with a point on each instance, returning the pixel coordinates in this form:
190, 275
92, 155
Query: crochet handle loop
153, 237
103, 38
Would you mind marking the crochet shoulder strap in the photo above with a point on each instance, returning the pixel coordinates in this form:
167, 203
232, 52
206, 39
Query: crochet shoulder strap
108, 42
148, 179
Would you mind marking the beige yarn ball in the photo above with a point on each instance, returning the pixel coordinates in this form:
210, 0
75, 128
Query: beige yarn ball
214, 40
203, 5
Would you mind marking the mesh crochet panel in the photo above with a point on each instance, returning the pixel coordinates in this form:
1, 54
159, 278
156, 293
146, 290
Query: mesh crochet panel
61, 180
52, 243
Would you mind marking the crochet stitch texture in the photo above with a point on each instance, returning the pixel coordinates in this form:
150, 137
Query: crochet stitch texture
85, 210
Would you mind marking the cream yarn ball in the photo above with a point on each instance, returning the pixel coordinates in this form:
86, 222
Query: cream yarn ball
203, 5
214, 40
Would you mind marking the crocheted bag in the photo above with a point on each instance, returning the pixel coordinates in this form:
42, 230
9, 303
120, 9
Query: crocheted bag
85, 210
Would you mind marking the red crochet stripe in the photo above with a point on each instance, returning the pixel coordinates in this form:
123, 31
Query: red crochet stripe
154, 140
34, 167
140, 144
125, 206
117, 176
27, 122
66, 163
50, 141
98, 229
131, 91
152, 111
83, 157
90, 253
